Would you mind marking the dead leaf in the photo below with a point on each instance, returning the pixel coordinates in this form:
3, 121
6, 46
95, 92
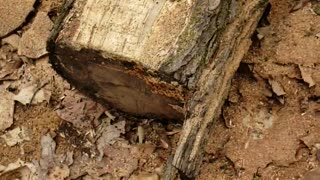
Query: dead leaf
48, 146
6, 109
263, 31
314, 174
20, 169
162, 133
300, 4
311, 139
9, 68
12, 166
276, 88
13, 40
85, 165
120, 162
34, 41
306, 76
17, 135
32, 92
51, 165
142, 150
59, 173
13, 13
109, 135
80, 110
65, 158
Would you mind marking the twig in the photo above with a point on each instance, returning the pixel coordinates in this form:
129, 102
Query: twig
35, 93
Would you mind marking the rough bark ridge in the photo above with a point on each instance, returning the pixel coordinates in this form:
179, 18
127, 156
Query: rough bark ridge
212, 87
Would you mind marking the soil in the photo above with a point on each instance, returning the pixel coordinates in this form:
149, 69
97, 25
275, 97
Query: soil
261, 135
269, 128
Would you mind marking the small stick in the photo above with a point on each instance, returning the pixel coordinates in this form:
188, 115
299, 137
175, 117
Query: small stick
35, 93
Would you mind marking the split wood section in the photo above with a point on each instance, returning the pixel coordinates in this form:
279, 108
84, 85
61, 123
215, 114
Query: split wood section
169, 59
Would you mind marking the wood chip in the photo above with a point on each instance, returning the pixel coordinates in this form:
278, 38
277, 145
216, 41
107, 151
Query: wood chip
306, 75
140, 133
299, 5
276, 88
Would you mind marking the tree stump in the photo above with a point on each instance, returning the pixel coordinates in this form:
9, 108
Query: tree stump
170, 59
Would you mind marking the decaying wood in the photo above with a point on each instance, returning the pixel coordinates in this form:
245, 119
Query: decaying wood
143, 57
212, 87
164, 58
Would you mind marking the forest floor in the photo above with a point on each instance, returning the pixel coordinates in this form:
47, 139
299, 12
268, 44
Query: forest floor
269, 127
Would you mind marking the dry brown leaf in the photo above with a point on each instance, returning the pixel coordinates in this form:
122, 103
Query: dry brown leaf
59, 173
32, 92
13, 40
142, 150
121, 163
50, 164
314, 174
164, 140
48, 147
18, 169
34, 41
300, 4
311, 139
6, 109
9, 68
17, 135
306, 75
263, 31
79, 110
276, 88
109, 135
13, 13
120, 160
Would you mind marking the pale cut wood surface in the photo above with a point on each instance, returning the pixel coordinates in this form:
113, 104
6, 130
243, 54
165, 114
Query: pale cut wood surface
145, 31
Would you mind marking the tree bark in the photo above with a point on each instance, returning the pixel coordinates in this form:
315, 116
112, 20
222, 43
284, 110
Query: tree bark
169, 59
212, 87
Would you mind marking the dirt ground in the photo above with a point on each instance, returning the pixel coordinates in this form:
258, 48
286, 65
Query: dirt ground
269, 128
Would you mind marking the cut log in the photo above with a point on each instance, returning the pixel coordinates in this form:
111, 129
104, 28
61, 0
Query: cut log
171, 59
142, 57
